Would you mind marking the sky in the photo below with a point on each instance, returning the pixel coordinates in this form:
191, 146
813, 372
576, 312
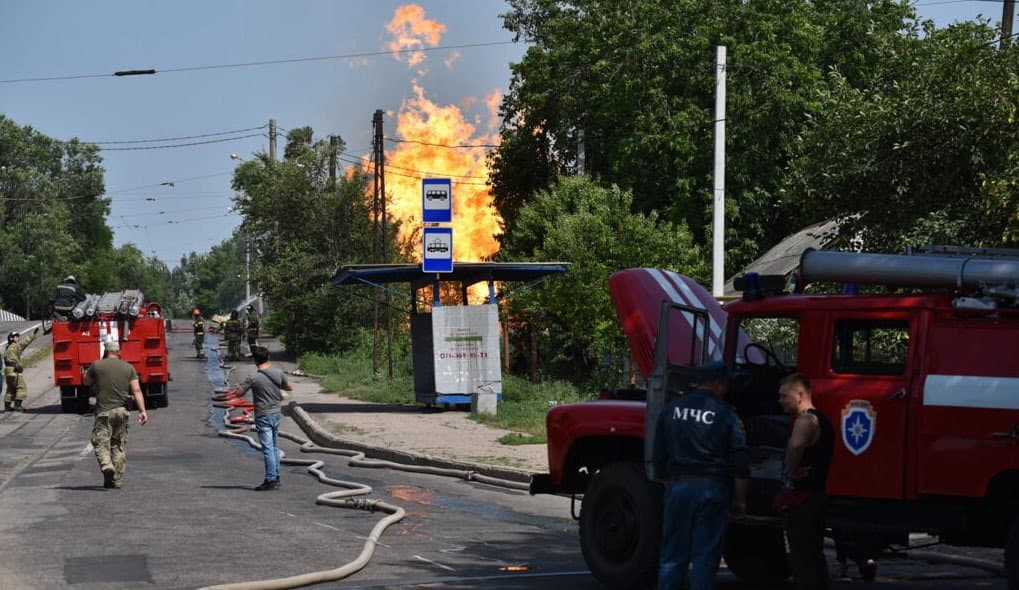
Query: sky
55, 38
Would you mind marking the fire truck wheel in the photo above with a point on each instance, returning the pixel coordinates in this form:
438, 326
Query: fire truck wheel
756, 554
620, 526
1012, 556
68, 406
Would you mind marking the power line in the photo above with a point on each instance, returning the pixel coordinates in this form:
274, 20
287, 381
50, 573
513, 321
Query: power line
170, 182
177, 138
262, 63
443, 145
422, 174
178, 145
430, 173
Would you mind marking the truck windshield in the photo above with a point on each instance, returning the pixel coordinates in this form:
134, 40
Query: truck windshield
768, 341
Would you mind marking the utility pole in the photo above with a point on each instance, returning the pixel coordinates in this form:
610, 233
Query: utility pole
1007, 16
377, 240
272, 140
334, 143
718, 231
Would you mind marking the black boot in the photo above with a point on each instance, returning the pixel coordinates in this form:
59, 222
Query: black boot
7, 406
17, 406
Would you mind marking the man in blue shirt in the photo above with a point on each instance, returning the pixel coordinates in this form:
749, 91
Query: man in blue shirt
702, 452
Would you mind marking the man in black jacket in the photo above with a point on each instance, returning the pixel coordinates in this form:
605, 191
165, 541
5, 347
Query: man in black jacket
701, 449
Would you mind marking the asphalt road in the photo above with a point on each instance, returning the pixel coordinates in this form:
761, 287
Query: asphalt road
187, 517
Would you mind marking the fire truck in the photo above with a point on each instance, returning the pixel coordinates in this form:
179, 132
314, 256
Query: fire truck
918, 375
81, 338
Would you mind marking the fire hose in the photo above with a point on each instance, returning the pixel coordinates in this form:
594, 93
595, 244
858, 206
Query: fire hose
237, 425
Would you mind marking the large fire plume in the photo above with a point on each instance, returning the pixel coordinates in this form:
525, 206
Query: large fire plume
440, 141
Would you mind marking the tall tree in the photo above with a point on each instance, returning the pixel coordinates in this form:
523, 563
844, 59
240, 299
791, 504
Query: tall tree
633, 80
591, 227
927, 151
301, 232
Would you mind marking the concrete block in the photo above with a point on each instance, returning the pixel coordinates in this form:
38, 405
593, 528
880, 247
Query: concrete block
484, 402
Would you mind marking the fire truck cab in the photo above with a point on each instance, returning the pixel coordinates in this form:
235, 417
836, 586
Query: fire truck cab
922, 388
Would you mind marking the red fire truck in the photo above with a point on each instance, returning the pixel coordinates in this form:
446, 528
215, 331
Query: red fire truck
920, 380
80, 339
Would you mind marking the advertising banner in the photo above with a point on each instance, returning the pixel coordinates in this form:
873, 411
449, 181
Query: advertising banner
465, 342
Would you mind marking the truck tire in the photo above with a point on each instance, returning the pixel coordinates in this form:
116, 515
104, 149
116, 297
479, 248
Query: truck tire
620, 526
1012, 556
756, 554
83, 402
68, 401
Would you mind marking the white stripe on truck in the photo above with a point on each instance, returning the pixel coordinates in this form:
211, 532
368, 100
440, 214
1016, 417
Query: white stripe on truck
966, 391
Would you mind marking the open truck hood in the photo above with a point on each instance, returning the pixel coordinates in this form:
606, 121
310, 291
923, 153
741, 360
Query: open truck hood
638, 294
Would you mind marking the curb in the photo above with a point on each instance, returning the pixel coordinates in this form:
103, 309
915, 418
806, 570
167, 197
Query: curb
324, 438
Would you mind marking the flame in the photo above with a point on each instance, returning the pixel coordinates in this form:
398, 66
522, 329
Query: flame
427, 133
411, 30
426, 128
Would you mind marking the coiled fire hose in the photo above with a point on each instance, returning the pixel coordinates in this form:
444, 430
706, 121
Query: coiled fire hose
237, 425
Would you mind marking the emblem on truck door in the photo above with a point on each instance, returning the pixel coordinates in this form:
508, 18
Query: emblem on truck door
859, 421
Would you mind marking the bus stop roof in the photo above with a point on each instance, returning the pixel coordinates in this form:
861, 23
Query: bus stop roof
467, 273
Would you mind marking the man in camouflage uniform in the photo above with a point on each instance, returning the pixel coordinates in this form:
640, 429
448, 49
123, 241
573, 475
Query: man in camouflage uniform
14, 373
234, 331
199, 328
252, 328
116, 382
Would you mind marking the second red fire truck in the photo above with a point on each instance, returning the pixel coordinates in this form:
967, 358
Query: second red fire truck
920, 380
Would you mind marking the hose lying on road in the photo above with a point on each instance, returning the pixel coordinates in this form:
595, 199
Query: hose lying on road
346, 498
237, 425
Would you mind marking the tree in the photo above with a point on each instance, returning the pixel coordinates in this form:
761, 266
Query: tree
591, 227
52, 214
926, 152
633, 80
301, 233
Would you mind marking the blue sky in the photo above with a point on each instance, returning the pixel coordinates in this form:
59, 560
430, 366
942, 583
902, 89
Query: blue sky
67, 37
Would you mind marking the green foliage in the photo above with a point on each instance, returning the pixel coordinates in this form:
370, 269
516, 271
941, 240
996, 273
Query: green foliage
591, 227
53, 223
524, 406
924, 153
350, 374
213, 282
634, 81
302, 230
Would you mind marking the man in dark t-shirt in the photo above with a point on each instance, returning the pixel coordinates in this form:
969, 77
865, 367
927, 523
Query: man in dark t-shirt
116, 382
807, 458
265, 385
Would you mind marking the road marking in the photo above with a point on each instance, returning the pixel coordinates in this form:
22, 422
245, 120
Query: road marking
435, 563
326, 526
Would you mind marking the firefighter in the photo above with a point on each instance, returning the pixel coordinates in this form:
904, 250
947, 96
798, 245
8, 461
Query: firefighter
199, 328
700, 448
67, 294
233, 330
14, 373
252, 328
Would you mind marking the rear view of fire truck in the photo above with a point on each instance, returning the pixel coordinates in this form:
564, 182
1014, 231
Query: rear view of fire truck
918, 376
81, 338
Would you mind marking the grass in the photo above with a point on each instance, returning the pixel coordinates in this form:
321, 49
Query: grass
524, 406
522, 410
37, 355
348, 429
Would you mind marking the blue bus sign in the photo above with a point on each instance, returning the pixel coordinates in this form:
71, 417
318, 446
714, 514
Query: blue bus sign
437, 200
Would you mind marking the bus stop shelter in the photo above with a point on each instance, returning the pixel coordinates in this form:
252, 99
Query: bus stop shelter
463, 276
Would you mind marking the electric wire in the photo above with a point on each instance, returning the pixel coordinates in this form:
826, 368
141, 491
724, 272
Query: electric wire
263, 62
178, 145
181, 138
443, 145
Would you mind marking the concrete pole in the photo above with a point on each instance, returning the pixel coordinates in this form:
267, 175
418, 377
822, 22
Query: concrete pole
1007, 16
718, 232
272, 140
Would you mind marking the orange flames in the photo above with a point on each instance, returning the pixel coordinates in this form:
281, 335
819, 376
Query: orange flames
426, 132
411, 30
